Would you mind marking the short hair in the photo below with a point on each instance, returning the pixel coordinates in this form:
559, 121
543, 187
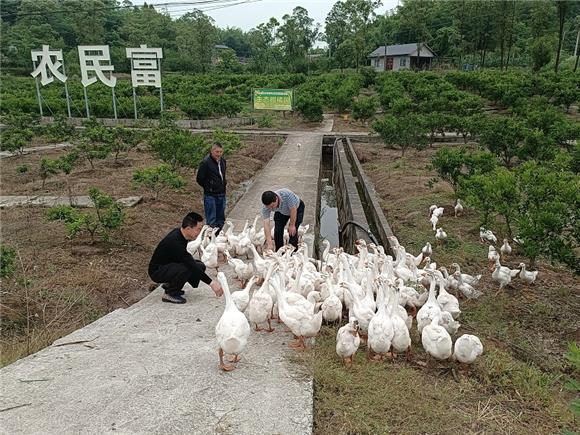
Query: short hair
216, 145
191, 220
268, 197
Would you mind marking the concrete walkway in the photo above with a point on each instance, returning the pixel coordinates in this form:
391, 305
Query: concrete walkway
51, 201
56, 146
152, 368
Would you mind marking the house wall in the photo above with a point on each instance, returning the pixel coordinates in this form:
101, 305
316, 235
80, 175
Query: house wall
378, 63
401, 62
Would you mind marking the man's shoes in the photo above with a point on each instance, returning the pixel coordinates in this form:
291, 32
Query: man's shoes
173, 299
179, 292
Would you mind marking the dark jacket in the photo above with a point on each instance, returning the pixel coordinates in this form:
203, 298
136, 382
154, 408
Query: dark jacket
208, 176
173, 250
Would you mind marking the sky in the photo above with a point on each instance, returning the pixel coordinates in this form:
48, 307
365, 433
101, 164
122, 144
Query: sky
252, 13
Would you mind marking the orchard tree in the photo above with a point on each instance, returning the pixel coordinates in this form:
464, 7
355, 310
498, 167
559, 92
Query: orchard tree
403, 131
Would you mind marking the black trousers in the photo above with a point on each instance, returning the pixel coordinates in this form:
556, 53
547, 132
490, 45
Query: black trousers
280, 221
173, 276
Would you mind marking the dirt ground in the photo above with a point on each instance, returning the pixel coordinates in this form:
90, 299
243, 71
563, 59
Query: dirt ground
62, 284
343, 123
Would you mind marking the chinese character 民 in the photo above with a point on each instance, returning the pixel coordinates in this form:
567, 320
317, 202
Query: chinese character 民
145, 66
48, 64
90, 57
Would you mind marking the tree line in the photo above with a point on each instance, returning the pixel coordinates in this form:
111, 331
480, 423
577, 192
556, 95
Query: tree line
497, 33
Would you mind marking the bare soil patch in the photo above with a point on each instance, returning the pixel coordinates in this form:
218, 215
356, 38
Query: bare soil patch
344, 123
61, 284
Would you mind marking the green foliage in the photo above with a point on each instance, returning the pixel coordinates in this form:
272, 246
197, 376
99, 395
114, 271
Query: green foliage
92, 151
7, 259
22, 169
403, 131
541, 53
178, 147
573, 384
107, 217
265, 121
310, 107
495, 192
364, 108
123, 140
550, 213
229, 141
503, 136
14, 139
157, 178
47, 168
369, 76
59, 130
449, 163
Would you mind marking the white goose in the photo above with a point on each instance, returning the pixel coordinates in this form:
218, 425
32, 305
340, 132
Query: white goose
331, 307
209, 255
380, 329
436, 340
467, 348
466, 289
434, 219
469, 279
486, 235
348, 341
430, 309
261, 303
440, 235
242, 297
244, 271
503, 275
232, 330
401, 341
458, 208
527, 276
447, 301
505, 249
194, 245
427, 250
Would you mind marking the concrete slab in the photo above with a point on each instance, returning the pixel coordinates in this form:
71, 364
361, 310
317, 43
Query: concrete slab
295, 166
51, 201
152, 368
4, 154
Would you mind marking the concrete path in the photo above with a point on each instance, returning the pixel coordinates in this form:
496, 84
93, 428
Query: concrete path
51, 201
295, 166
152, 368
56, 146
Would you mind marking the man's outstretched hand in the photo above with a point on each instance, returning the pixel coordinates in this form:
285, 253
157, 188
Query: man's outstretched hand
217, 288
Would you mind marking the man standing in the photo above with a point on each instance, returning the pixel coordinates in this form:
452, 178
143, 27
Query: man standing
211, 175
173, 266
287, 207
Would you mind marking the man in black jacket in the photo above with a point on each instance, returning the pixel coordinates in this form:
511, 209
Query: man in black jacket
173, 266
211, 175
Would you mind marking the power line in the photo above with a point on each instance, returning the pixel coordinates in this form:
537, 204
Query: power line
108, 8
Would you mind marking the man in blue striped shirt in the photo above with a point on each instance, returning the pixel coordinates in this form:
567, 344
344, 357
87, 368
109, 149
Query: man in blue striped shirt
287, 207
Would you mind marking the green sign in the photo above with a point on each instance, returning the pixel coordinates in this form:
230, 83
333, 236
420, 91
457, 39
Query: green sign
273, 99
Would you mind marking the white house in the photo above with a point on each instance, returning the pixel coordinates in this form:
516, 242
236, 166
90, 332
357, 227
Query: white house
403, 56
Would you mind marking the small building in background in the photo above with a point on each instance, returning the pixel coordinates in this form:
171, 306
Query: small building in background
402, 56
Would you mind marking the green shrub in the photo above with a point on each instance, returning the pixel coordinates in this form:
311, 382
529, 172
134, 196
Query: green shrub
265, 121
107, 217
229, 141
364, 108
310, 108
22, 169
158, 178
7, 259
59, 130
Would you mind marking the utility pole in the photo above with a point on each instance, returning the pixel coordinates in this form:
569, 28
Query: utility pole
576, 50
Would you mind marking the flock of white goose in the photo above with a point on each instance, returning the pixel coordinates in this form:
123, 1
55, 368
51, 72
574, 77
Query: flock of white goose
382, 296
